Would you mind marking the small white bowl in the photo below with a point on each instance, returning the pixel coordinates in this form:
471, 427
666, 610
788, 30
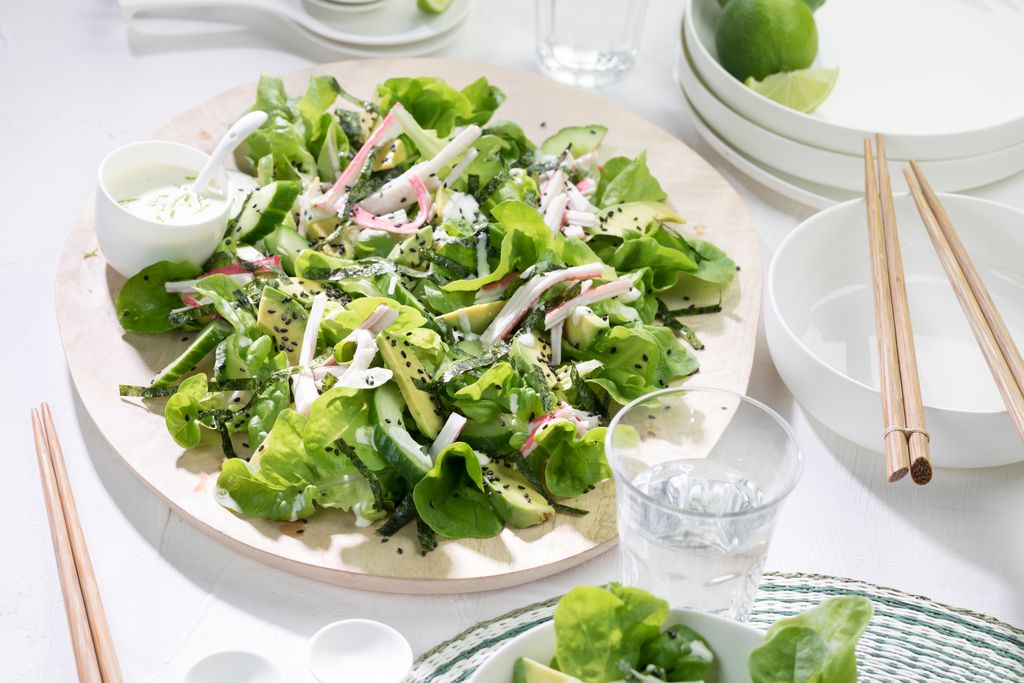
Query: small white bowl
833, 169
731, 642
359, 650
130, 242
819, 321
236, 666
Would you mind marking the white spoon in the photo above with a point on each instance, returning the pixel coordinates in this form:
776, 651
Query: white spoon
236, 666
359, 650
232, 139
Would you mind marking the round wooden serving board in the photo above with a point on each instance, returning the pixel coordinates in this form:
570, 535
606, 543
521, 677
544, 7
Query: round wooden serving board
329, 547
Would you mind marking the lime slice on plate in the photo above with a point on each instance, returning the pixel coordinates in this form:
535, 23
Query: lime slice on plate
803, 90
433, 6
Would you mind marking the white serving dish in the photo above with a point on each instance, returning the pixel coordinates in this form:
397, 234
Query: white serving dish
832, 169
897, 76
359, 650
730, 640
131, 242
819, 321
237, 666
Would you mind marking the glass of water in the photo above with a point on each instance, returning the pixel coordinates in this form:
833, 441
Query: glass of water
588, 42
700, 475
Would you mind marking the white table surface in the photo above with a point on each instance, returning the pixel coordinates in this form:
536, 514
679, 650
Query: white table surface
72, 87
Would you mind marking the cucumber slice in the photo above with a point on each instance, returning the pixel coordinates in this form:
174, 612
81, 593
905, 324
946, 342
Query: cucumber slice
402, 452
265, 210
579, 139
288, 244
387, 406
206, 341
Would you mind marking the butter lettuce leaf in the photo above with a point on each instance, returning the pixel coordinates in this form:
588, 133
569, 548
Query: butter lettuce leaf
450, 498
599, 631
571, 463
142, 304
637, 359
816, 646
630, 182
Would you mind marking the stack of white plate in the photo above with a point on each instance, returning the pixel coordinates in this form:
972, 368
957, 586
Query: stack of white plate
361, 28
940, 78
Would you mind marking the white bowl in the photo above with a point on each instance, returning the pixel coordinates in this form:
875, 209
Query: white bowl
730, 640
888, 81
130, 242
819, 321
832, 169
359, 650
236, 666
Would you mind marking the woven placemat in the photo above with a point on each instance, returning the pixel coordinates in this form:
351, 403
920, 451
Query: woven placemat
910, 639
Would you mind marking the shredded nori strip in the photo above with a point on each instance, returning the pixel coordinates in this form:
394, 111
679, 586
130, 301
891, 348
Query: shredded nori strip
245, 384
225, 436
586, 399
368, 267
443, 329
351, 126
371, 478
533, 480
403, 514
694, 309
425, 535
534, 378
533, 320
185, 316
487, 357
473, 184
669, 319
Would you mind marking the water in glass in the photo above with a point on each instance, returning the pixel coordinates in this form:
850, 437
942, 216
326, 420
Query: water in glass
588, 42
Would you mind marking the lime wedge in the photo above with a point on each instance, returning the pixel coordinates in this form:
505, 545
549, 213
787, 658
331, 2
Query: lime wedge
433, 6
802, 90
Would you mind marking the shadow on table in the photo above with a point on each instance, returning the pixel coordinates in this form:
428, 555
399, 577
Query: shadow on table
979, 499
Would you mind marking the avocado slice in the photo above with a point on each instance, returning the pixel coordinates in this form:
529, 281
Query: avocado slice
398, 355
391, 156
615, 220
284, 319
582, 327
407, 253
579, 139
533, 352
527, 670
304, 290
518, 503
474, 318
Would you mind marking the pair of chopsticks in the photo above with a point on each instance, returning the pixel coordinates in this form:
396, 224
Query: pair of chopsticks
90, 635
906, 435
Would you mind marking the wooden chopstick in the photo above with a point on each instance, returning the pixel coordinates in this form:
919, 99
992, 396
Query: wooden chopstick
74, 603
910, 382
897, 454
1001, 354
104, 645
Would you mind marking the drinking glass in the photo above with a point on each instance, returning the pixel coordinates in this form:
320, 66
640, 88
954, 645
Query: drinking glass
700, 475
588, 42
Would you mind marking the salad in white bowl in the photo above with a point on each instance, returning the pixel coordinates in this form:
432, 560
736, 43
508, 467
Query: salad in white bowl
617, 634
419, 314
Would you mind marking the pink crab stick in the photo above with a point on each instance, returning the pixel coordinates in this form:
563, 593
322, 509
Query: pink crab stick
385, 131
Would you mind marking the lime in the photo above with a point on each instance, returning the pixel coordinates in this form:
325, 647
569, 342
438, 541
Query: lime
433, 6
802, 90
761, 37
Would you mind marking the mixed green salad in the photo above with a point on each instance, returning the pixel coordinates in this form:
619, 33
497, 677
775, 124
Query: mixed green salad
418, 314
606, 635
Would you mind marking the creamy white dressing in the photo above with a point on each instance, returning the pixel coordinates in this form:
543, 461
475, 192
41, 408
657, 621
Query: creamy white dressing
460, 206
164, 194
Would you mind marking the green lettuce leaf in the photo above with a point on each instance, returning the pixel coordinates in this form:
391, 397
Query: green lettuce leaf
637, 359
525, 239
631, 182
143, 304
711, 263
816, 646
438, 106
598, 631
451, 500
338, 413
182, 414
492, 395
673, 652
571, 463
